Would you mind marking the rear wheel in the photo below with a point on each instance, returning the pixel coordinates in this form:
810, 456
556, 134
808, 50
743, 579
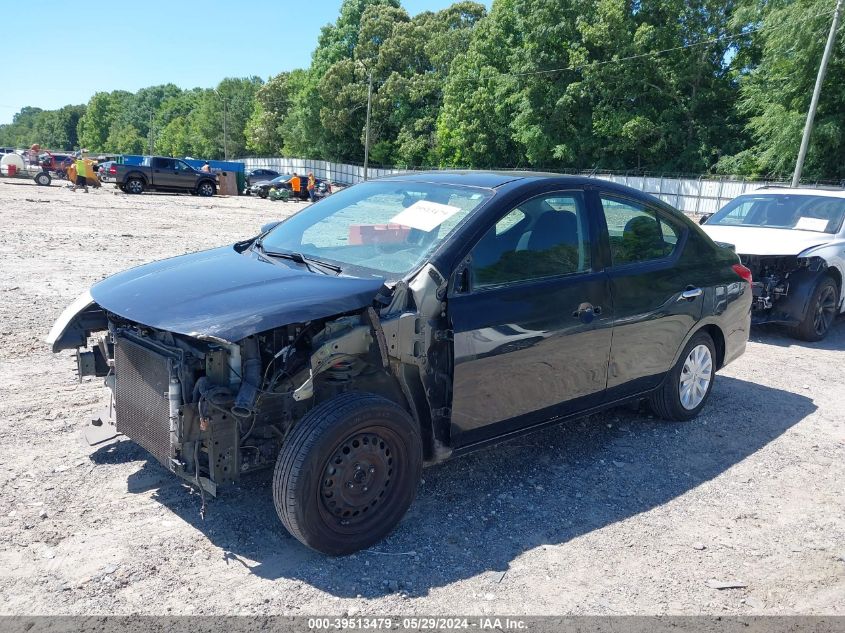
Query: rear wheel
135, 186
821, 312
43, 179
687, 386
347, 473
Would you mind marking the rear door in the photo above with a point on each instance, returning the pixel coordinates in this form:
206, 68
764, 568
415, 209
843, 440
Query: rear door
532, 328
648, 275
164, 173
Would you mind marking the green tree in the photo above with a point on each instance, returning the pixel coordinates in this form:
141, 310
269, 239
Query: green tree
775, 92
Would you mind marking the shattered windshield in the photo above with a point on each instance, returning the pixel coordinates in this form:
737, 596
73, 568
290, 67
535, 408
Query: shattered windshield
390, 227
821, 214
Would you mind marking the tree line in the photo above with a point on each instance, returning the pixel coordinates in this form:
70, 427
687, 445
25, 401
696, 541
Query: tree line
682, 86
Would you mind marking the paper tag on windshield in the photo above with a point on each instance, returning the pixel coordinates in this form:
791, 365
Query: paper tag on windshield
811, 224
425, 215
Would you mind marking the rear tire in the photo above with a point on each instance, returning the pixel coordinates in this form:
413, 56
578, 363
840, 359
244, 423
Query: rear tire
134, 186
821, 312
43, 179
688, 384
347, 473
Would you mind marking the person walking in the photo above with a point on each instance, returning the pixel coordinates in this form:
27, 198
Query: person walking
311, 187
81, 171
295, 187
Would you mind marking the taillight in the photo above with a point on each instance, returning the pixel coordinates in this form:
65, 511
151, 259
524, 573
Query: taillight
742, 271
113, 169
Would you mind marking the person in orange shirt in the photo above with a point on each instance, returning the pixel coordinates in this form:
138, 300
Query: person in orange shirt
295, 187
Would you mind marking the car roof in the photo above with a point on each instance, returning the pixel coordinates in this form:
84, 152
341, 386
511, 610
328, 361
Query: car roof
792, 191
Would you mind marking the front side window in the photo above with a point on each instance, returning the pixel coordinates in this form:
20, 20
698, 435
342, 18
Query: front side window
546, 236
389, 227
637, 233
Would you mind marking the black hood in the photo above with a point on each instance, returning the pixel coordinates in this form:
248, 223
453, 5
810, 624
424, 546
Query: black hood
224, 294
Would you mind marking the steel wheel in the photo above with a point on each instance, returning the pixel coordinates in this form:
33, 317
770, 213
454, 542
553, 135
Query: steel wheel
825, 310
696, 375
357, 477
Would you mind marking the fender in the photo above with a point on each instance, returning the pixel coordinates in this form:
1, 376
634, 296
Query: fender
792, 308
76, 322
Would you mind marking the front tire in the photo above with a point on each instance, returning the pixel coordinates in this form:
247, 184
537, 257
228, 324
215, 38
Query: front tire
347, 473
688, 384
821, 312
43, 179
205, 189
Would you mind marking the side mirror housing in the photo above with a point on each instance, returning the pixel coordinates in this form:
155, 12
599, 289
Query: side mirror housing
704, 218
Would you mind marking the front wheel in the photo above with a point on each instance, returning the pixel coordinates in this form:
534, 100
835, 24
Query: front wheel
347, 473
43, 179
205, 189
687, 385
821, 311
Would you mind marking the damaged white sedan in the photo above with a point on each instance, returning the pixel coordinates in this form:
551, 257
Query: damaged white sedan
793, 240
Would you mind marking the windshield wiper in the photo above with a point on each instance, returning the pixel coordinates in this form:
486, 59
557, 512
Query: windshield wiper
299, 258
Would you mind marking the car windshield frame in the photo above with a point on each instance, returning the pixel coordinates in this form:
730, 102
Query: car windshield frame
283, 237
800, 200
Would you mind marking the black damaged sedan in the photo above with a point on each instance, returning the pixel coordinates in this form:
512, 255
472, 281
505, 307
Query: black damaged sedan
402, 322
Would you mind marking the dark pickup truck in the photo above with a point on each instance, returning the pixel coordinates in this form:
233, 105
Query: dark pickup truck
158, 173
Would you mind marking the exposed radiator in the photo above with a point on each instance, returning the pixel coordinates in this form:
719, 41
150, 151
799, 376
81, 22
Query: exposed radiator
142, 410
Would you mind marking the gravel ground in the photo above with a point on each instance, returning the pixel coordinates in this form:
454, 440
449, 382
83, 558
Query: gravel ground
615, 514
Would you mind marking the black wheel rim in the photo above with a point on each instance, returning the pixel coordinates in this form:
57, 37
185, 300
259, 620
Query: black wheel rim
825, 308
358, 478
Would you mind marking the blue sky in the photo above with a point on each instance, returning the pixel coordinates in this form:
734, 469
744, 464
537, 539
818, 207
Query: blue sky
136, 44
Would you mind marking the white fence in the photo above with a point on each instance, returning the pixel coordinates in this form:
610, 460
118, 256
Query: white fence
691, 195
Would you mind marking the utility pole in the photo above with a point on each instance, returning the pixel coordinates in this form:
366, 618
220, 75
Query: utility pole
367, 130
151, 133
814, 102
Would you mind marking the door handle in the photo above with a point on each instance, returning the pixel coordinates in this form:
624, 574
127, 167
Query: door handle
586, 312
690, 293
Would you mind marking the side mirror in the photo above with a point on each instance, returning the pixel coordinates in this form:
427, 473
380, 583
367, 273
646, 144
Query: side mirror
269, 226
704, 218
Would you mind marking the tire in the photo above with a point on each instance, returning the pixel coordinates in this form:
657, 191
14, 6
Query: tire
347, 473
263, 195
134, 186
821, 312
43, 179
206, 189
61, 175
672, 401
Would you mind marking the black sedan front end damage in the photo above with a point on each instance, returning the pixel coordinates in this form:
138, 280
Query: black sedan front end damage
782, 287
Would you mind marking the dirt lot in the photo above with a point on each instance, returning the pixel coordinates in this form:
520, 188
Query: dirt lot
617, 514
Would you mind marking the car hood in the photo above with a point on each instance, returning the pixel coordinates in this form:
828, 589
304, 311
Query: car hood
223, 294
762, 241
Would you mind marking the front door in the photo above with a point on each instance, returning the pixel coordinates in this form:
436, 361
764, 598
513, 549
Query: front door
532, 330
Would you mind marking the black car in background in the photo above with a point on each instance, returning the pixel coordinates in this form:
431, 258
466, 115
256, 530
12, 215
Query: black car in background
262, 189
405, 321
259, 175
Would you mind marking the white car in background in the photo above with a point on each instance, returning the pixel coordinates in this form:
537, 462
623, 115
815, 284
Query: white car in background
793, 240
